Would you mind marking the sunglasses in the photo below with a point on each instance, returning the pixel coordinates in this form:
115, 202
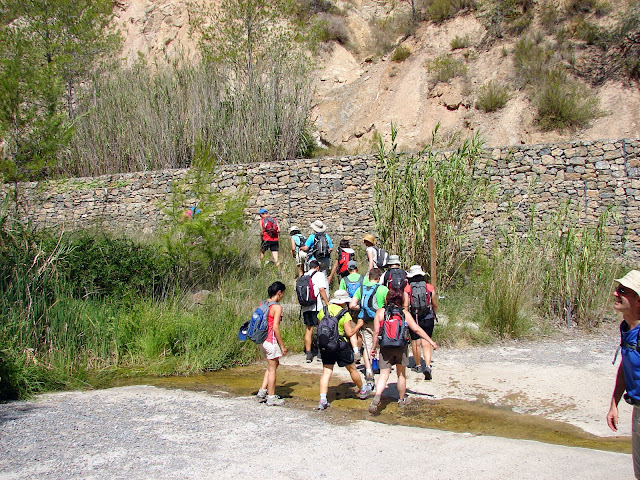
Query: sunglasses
622, 290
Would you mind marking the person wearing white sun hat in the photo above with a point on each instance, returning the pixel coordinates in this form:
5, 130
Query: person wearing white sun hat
319, 245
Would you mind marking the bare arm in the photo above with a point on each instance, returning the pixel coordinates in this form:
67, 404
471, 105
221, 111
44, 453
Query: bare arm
350, 330
333, 271
277, 316
376, 329
323, 296
618, 390
370, 257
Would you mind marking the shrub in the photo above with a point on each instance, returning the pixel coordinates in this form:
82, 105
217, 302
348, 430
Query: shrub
549, 16
401, 53
531, 61
440, 10
446, 67
588, 32
492, 96
385, 31
333, 27
562, 102
460, 42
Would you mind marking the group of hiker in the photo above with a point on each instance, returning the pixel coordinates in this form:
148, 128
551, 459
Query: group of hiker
370, 319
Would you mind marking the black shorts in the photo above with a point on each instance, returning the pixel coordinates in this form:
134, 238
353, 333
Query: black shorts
426, 323
270, 245
310, 318
342, 357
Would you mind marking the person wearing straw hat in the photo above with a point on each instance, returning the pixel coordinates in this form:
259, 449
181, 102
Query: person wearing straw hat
311, 245
297, 241
339, 304
627, 302
372, 255
423, 308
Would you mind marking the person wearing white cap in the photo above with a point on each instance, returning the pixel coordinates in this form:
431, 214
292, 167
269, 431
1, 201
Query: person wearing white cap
338, 307
423, 308
319, 245
627, 302
297, 241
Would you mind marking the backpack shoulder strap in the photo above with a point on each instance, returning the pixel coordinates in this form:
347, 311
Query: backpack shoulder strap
341, 313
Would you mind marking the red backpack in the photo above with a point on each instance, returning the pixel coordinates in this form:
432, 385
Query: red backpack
343, 260
270, 226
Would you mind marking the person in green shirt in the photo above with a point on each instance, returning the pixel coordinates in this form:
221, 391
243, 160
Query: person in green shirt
351, 283
343, 356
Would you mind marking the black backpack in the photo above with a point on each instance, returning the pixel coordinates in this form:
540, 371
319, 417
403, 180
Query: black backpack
396, 278
321, 245
328, 337
304, 290
382, 257
420, 298
393, 329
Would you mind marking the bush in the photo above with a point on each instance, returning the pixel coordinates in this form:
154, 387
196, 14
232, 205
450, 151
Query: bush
460, 42
531, 61
588, 32
400, 54
385, 31
549, 16
445, 67
334, 27
492, 96
440, 10
562, 102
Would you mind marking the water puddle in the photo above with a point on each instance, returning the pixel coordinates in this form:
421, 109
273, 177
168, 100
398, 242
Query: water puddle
300, 389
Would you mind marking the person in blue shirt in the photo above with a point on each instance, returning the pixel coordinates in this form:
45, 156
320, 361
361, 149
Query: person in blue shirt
627, 302
311, 245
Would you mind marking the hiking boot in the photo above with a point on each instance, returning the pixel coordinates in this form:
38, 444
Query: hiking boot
275, 401
403, 402
309, 357
365, 391
417, 369
262, 395
323, 405
427, 372
373, 406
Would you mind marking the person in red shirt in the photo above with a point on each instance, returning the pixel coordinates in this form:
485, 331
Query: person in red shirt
269, 235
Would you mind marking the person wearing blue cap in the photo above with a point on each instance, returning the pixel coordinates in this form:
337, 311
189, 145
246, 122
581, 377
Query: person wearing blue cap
269, 236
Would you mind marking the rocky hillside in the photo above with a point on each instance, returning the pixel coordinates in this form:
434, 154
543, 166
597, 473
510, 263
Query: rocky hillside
360, 89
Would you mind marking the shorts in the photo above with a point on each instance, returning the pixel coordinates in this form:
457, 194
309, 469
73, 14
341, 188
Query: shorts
390, 356
301, 257
426, 323
270, 351
270, 245
342, 357
310, 318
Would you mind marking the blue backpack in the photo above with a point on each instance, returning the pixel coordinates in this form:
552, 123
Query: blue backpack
368, 303
352, 287
259, 323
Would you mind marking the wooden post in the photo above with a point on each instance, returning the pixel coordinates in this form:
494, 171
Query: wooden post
432, 232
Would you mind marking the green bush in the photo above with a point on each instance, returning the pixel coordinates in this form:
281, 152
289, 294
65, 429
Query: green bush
460, 42
562, 102
492, 96
333, 27
549, 16
531, 61
588, 32
446, 67
400, 54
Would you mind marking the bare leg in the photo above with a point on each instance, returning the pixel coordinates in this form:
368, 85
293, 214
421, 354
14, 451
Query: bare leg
274, 254
415, 347
426, 348
327, 371
402, 381
265, 380
308, 336
272, 366
382, 381
355, 375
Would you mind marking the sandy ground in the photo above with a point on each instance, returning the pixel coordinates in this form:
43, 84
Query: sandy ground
147, 432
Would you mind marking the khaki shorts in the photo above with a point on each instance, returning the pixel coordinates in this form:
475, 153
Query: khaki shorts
270, 351
390, 356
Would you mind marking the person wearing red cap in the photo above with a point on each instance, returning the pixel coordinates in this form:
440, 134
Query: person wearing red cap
627, 302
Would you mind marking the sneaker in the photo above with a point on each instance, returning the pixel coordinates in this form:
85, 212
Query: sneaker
373, 406
275, 401
319, 358
309, 357
365, 391
403, 402
369, 378
323, 405
417, 369
427, 373
262, 395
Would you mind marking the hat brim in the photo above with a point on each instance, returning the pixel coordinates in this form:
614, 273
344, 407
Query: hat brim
316, 229
339, 301
242, 332
415, 274
626, 283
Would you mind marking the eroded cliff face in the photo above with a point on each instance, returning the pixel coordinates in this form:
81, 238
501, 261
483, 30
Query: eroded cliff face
359, 92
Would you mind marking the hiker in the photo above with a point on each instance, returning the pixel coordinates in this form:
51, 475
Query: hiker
627, 302
396, 278
297, 241
273, 347
269, 234
342, 355
310, 312
391, 323
319, 245
366, 301
351, 283
345, 255
424, 307
372, 256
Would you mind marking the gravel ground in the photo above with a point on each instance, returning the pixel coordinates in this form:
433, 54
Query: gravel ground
146, 432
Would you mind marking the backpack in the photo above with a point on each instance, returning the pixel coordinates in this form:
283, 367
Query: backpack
393, 329
420, 298
396, 278
270, 226
304, 290
382, 257
321, 245
259, 323
343, 260
298, 240
352, 287
328, 337
368, 303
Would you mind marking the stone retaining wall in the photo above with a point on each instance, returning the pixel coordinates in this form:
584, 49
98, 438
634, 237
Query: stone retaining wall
593, 175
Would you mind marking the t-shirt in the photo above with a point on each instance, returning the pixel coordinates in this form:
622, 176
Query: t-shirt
311, 240
352, 277
319, 280
381, 293
630, 359
374, 254
335, 310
